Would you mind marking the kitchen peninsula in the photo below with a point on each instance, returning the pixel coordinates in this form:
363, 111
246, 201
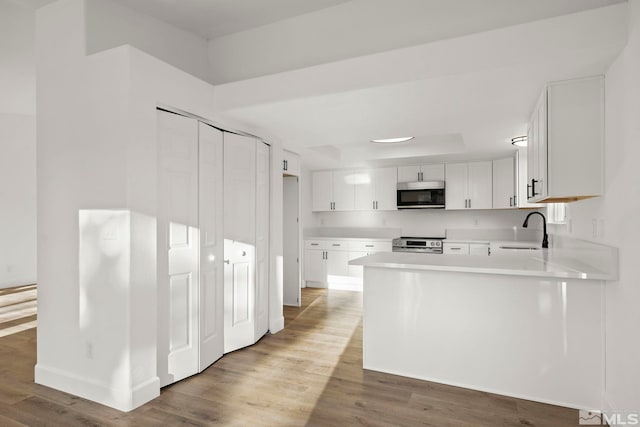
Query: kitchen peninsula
524, 325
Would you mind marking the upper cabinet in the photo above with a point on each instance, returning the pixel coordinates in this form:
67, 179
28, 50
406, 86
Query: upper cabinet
565, 142
504, 183
433, 172
290, 163
375, 189
468, 185
372, 189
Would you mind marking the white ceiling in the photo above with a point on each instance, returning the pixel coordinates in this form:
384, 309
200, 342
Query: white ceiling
462, 97
215, 18
459, 79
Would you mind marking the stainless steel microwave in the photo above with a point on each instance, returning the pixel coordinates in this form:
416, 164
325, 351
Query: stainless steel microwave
421, 195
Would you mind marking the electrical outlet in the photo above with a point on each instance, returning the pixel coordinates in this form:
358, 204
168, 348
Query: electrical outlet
89, 350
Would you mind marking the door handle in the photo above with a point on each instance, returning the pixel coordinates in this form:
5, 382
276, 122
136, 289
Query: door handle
226, 261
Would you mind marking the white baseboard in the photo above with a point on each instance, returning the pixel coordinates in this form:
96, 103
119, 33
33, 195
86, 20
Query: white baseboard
121, 399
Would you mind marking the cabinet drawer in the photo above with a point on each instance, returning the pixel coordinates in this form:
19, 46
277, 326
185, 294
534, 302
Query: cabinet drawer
316, 244
455, 248
364, 246
335, 245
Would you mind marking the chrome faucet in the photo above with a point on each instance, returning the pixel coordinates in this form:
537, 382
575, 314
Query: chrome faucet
545, 237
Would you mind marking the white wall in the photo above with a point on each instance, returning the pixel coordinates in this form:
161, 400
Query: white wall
17, 200
110, 25
615, 216
96, 123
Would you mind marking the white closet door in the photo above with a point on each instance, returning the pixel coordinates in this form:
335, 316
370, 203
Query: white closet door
239, 240
211, 246
178, 247
263, 190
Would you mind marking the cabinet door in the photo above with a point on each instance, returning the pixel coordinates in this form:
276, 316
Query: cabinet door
385, 189
344, 190
456, 185
541, 147
290, 163
408, 173
337, 263
433, 172
314, 266
504, 183
480, 188
479, 249
321, 191
364, 190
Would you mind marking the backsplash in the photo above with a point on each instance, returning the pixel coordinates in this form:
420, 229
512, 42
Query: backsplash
432, 223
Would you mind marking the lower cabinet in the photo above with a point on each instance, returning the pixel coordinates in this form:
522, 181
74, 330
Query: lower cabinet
327, 260
466, 248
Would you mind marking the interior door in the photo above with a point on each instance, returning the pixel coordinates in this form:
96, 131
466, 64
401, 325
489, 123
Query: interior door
211, 246
178, 247
263, 197
239, 241
290, 241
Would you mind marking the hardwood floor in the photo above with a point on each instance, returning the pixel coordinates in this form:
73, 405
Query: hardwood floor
308, 374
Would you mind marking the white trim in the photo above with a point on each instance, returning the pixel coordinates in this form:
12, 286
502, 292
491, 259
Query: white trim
483, 389
122, 399
276, 325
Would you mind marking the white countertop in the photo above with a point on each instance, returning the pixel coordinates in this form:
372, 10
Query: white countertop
544, 263
374, 239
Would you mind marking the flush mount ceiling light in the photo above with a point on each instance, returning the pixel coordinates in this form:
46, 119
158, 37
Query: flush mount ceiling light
393, 140
519, 141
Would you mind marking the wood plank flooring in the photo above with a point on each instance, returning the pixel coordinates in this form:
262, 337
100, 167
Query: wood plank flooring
308, 374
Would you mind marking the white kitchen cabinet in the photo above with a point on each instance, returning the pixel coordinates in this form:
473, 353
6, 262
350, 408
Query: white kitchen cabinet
468, 185
566, 142
290, 163
343, 191
375, 189
504, 183
432, 172
521, 160
455, 248
466, 248
328, 259
322, 191
332, 191
482, 249
360, 248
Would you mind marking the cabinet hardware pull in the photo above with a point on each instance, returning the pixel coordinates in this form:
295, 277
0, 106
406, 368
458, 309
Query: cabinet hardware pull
314, 244
373, 205
510, 201
335, 244
226, 261
376, 205
368, 246
469, 203
533, 187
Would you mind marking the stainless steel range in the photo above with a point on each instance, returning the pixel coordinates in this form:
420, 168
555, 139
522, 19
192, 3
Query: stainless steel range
427, 245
